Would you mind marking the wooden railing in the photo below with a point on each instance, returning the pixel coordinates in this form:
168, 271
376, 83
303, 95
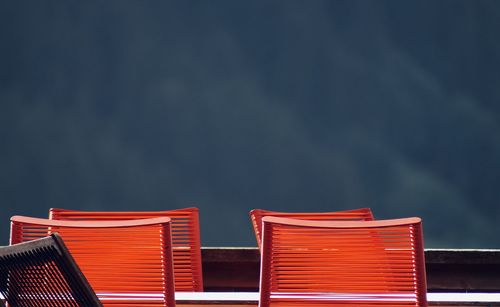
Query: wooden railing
237, 269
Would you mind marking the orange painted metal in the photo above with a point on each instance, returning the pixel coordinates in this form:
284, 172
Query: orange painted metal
342, 263
256, 215
118, 257
186, 243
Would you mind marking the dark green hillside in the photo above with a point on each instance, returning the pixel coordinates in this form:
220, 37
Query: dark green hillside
232, 105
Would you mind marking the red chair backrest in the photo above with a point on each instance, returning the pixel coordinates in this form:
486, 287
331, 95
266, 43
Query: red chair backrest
256, 215
320, 259
186, 243
118, 257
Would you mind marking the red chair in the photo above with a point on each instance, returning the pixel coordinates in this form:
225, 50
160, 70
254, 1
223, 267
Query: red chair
126, 262
185, 239
339, 263
256, 215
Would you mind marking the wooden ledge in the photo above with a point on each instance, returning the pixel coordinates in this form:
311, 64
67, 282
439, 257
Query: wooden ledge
450, 270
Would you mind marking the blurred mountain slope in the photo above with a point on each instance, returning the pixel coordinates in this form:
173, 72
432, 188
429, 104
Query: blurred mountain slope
297, 106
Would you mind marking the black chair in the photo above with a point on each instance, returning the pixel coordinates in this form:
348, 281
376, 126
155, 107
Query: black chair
42, 272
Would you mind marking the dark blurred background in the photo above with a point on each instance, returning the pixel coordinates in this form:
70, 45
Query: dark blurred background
234, 105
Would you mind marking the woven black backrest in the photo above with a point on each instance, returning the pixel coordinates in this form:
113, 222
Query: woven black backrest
43, 273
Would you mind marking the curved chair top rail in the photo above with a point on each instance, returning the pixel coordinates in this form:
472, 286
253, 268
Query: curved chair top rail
342, 224
122, 214
89, 224
314, 214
